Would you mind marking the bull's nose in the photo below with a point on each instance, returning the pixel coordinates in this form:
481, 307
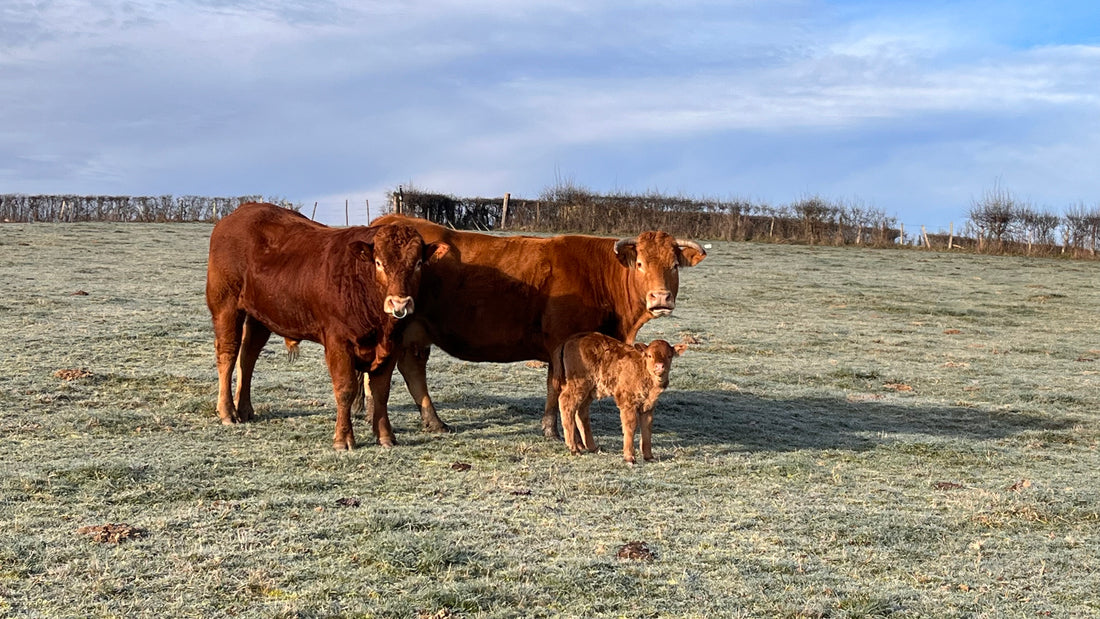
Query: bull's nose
399, 307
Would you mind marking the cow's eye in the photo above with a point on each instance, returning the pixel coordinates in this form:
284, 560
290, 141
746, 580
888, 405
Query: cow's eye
418, 263
378, 264
639, 264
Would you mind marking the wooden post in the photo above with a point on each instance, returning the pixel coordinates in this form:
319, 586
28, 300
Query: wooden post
61, 215
368, 210
901, 233
314, 215
346, 212
951, 236
504, 211
924, 235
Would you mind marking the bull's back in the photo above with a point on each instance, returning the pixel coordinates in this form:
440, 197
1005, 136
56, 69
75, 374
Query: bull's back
263, 259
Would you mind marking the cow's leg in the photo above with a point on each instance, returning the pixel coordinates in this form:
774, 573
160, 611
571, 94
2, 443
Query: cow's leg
569, 401
647, 435
629, 416
343, 387
379, 387
412, 362
253, 338
554, 382
228, 324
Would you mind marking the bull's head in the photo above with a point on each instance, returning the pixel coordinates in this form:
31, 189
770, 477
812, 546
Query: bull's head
655, 259
397, 253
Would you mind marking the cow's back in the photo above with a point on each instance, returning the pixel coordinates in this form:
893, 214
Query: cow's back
513, 298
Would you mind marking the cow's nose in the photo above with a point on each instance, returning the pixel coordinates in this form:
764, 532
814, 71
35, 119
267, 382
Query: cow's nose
660, 299
399, 307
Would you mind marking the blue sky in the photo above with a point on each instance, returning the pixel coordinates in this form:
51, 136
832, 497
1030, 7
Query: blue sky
915, 108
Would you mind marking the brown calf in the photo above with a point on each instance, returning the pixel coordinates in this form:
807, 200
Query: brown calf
595, 366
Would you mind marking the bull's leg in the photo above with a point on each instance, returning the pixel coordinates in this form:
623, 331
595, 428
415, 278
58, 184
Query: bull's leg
343, 387
379, 382
362, 396
412, 362
647, 435
254, 336
228, 324
629, 416
569, 402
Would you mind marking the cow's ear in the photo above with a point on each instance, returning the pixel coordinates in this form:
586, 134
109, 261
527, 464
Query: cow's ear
626, 251
689, 253
680, 349
363, 250
435, 251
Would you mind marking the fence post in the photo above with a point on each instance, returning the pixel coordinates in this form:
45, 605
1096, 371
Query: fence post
368, 211
504, 211
924, 235
346, 212
951, 235
314, 215
901, 232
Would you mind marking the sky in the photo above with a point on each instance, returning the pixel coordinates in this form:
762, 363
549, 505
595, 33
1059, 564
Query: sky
915, 108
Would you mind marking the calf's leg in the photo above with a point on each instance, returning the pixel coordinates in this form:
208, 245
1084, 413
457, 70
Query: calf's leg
584, 423
629, 416
647, 435
569, 401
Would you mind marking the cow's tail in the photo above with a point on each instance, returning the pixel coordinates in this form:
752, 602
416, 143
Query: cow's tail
292, 349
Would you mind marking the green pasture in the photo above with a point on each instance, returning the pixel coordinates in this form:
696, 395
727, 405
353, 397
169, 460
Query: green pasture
855, 433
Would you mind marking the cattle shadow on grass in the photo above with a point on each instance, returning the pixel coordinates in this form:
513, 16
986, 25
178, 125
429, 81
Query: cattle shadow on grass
736, 422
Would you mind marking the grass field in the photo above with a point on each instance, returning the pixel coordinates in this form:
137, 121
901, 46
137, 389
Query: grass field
858, 433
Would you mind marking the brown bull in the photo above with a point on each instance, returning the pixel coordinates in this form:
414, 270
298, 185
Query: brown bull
518, 298
273, 270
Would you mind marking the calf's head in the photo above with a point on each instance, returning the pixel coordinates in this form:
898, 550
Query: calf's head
658, 357
397, 252
654, 259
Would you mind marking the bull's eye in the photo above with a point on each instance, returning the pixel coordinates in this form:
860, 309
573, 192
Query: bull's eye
378, 264
639, 265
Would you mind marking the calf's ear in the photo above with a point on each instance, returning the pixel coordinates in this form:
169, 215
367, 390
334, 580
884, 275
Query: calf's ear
363, 250
435, 251
680, 349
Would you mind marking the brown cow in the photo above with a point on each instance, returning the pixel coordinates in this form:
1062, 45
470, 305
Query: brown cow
595, 366
273, 270
517, 298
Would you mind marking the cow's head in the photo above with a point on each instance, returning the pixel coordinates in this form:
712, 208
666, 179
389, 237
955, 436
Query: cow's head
658, 357
397, 252
654, 259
